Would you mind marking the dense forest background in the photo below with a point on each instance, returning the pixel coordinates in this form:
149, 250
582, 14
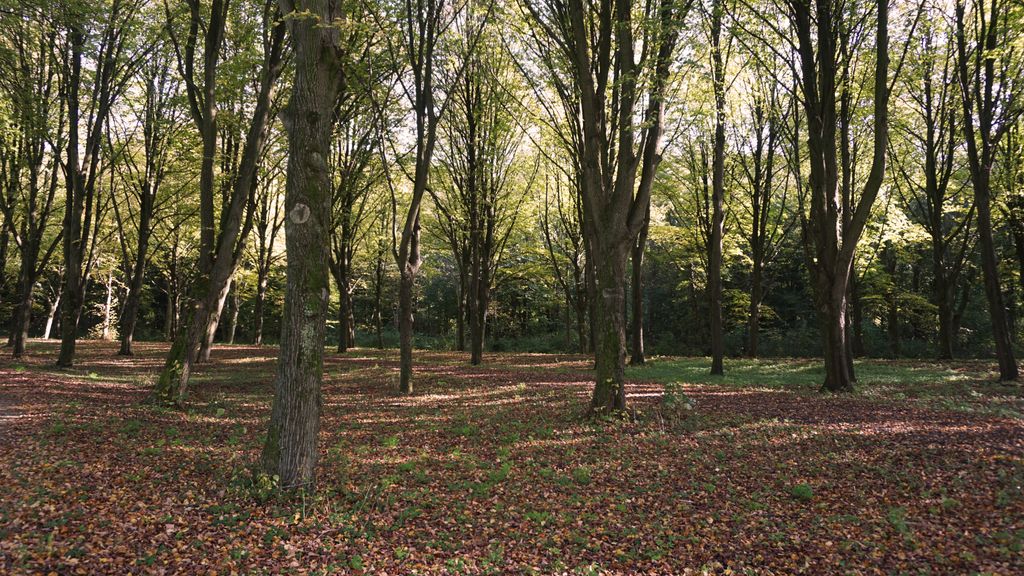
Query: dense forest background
143, 76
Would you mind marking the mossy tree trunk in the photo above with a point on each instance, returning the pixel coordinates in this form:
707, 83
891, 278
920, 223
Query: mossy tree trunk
290, 451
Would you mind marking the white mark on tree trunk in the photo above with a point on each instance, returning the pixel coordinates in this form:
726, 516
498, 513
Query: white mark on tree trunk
299, 213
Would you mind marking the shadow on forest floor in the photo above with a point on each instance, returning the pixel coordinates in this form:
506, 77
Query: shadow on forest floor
490, 469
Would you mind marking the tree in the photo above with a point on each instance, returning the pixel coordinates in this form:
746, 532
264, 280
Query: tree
477, 197
110, 34
834, 225
927, 166
587, 51
143, 173
561, 224
355, 170
33, 124
989, 75
219, 255
290, 450
267, 222
718, 64
414, 48
767, 223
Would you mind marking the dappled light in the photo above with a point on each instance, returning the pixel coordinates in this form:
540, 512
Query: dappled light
496, 454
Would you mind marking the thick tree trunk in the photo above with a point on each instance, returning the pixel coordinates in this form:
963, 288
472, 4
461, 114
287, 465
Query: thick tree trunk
290, 451
981, 106
838, 375
220, 288
610, 352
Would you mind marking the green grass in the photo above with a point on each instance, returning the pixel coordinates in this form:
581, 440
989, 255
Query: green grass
791, 374
963, 386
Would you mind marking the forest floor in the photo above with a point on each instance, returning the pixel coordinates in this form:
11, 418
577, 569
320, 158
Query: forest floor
492, 470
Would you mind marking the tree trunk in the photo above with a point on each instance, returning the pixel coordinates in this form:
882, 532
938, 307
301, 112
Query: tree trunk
754, 318
345, 328
944, 295
462, 313
221, 289
261, 296
233, 326
108, 306
129, 317
838, 376
378, 300
637, 356
981, 106
54, 307
990, 272
717, 196
405, 330
610, 352
23, 309
290, 451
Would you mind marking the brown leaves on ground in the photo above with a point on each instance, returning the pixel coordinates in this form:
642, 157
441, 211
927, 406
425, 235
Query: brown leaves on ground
491, 470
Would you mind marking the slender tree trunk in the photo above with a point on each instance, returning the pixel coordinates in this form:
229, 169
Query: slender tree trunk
344, 308
462, 313
637, 356
54, 307
261, 297
23, 309
892, 323
405, 329
108, 306
990, 272
378, 300
754, 317
233, 327
944, 302
717, 196
855, 317
129, 318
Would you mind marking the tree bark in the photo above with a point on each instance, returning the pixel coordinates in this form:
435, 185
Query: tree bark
754, 316
976, 88
637, 357
211, 289
610, 351
129, 317
290, 450
717, 196
54, 308
406, 285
